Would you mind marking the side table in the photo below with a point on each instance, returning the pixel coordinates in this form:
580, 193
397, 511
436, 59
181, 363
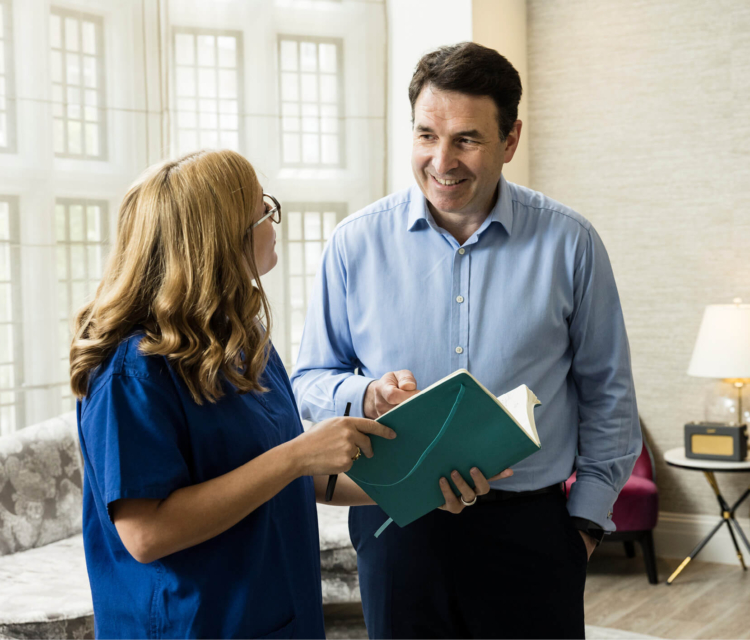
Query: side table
676, 458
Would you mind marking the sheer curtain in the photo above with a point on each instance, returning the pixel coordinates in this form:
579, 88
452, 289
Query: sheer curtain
91, 92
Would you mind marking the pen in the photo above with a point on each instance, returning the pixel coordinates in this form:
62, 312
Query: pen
334, 476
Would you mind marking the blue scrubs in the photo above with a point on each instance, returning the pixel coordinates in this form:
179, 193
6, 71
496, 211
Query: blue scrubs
143, 436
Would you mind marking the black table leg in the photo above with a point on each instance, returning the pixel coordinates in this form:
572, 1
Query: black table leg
736, 546
694, 552
727, 515
734, 520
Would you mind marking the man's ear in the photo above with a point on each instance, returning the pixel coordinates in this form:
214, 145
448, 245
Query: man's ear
511, 142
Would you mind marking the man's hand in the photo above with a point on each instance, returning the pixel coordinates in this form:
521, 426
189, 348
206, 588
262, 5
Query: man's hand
481, 486
589, 541
391, 390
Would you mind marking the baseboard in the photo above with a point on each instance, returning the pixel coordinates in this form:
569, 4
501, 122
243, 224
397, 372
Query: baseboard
677, 534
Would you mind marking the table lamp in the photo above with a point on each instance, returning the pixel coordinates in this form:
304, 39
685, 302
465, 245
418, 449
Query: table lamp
722, 349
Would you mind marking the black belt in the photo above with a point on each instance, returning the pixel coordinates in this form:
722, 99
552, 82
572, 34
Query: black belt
498, 495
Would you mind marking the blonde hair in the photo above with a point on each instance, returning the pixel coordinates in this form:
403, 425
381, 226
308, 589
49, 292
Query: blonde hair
182, 267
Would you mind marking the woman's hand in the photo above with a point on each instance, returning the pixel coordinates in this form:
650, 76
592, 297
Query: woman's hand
331, 445
481, 486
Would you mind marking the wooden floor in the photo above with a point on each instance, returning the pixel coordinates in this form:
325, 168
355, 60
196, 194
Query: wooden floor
706, 601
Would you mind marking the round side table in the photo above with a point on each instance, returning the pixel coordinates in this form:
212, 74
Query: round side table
677, 458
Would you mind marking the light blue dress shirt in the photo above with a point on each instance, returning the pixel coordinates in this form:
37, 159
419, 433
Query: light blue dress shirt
529, 298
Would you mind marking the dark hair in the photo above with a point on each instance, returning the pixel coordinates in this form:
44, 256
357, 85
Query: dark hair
475, 70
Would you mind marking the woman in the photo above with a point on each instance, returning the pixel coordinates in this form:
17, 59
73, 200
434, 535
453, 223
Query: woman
199, 506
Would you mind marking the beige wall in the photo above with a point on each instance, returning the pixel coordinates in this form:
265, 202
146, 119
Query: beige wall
501, 25
640, 120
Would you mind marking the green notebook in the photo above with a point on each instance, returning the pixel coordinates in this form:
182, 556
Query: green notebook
453, 424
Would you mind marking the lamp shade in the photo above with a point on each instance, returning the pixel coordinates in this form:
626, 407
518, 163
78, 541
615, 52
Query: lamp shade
722, 349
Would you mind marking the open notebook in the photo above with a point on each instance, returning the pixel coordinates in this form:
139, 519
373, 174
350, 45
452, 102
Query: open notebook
453, 424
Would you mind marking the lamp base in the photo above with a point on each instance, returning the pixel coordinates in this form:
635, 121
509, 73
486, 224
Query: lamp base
727, 403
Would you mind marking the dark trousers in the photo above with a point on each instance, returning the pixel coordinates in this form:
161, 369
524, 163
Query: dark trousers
509, 569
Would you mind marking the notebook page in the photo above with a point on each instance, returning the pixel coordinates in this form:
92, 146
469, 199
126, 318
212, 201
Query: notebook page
520, 403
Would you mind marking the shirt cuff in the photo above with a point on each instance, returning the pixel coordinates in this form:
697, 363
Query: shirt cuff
592, 501
352, 389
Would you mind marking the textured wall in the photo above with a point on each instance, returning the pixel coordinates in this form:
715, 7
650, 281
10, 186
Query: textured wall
640, 120
501, 25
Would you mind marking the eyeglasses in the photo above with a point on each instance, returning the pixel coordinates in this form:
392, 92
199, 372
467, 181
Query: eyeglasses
273, 210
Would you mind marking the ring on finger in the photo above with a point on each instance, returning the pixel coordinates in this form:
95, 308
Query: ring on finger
468, 504
358, 454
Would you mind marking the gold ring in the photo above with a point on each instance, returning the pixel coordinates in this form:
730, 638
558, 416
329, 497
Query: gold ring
359, 453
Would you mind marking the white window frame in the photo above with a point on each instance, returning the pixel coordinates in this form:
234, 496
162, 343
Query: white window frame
306, 4
340, 133
61, 110
7, 78
13, 396
65, 316
320, 208
239, 70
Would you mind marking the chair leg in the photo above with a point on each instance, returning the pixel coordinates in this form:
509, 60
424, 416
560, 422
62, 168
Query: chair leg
649, 556
629, 548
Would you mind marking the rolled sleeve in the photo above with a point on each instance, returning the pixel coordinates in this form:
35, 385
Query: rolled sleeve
609, 436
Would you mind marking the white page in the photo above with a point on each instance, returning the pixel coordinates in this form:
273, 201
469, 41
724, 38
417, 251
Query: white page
520, 403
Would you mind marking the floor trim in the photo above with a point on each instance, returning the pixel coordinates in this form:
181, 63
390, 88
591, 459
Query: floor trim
677, 534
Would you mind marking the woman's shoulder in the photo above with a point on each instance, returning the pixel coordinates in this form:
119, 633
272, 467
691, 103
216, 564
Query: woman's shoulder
127, 360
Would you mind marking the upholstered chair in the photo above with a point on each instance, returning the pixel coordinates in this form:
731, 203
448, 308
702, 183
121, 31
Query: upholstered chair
636, 511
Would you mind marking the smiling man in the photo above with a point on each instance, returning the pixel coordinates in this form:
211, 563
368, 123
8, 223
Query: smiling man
466, 270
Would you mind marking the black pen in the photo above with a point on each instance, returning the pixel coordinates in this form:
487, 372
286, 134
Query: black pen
334, 476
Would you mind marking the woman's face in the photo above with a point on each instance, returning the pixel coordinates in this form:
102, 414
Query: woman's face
264, 239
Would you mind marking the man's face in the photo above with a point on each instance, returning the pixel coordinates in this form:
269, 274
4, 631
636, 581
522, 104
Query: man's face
457, 155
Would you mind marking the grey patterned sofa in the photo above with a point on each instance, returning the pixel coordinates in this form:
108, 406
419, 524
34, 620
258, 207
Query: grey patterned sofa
338, 560
44, 588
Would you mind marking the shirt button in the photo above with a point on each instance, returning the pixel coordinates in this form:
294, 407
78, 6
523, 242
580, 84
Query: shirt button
462, 251
459, 299
459, 350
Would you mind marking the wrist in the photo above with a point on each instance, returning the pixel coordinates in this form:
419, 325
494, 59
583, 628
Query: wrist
593, 530
587, 537
368, 403
292, 458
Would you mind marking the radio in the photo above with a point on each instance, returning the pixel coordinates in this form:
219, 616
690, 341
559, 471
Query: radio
716, 441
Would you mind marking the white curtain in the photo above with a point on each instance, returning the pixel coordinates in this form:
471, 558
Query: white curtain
91, 95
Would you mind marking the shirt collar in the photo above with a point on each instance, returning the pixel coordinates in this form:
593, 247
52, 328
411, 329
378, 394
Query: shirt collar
419, 215
502, 212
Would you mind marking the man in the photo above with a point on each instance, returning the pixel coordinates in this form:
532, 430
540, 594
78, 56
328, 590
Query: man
466, 270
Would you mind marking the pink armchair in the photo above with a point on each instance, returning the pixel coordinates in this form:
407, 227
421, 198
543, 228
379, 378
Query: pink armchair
636, 511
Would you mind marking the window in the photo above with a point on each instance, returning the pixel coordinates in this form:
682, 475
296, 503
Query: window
307, 4
11, 360
81, 227
305, 228
208, 86
77, 70
311, 102
7, 93
123, 84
